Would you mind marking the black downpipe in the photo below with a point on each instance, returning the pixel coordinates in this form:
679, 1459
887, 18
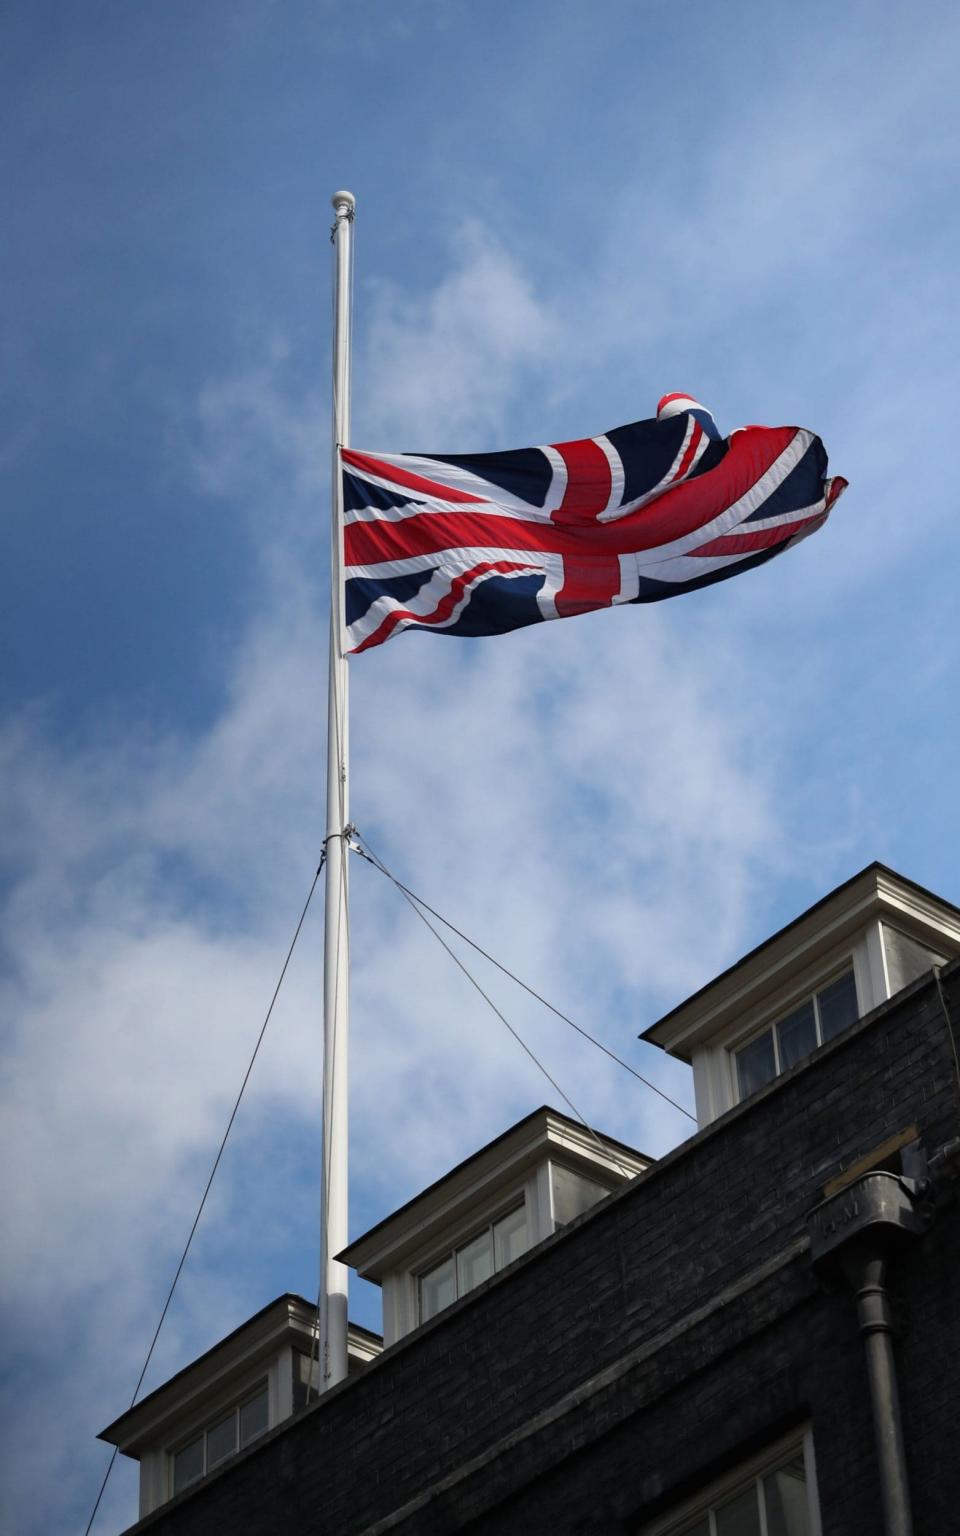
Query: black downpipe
867, 1276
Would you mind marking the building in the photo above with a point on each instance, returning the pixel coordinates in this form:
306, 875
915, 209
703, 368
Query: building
505, 1199
757, 1335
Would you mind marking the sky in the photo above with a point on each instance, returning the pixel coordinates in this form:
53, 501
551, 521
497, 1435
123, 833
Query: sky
563, 212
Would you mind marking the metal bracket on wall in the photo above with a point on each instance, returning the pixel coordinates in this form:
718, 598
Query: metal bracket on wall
878, 1210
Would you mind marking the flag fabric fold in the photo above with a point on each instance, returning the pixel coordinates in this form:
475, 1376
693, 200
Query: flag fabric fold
478, 544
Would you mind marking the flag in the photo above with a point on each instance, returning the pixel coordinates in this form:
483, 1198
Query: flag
482, 543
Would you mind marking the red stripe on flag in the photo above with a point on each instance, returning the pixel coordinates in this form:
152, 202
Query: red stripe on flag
444, 608
750, 543
429, 533
369, 466
692, 447
836, 485
694, 503
588, 481
588, 582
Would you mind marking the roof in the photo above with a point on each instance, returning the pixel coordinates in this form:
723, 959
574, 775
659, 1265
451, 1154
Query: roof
875, 891
544, 1132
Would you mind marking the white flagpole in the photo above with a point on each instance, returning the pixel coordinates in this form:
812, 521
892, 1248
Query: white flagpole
336, 953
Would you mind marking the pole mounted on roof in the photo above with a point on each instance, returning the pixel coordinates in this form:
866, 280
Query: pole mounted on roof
336, 952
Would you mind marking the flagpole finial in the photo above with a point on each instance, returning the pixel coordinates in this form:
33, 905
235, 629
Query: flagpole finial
344, 201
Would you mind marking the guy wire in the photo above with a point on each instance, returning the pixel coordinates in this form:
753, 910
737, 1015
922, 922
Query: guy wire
372, 858
411, 902
213, 1170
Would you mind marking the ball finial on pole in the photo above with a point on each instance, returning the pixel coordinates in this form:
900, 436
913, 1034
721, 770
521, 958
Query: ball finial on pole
345, 201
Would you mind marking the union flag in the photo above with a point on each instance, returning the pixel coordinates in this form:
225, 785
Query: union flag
482, 543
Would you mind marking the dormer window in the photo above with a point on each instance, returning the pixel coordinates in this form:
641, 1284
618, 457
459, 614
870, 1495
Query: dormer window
229, 1433
856, 948
815, 1021
473, 1262
250, 1382
540, 1175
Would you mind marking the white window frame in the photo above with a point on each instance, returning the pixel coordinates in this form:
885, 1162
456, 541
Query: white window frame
808, 995
401, 1286
210, 1421
519, 1203
738, 1480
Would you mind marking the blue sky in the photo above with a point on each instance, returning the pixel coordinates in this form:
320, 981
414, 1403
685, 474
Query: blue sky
564, 211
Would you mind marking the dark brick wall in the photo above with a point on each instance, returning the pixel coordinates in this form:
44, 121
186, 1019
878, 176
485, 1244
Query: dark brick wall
665, 1336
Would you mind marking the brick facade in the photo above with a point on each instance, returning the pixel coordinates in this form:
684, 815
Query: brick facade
667, 1335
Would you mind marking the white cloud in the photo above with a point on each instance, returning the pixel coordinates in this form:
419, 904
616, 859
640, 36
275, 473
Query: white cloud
446, 366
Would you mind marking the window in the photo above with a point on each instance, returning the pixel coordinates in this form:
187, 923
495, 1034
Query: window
815, 1021
229, 1433
572, 1194
469, 1265
775, 1495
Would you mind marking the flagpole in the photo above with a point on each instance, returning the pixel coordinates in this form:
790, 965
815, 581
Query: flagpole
336, 953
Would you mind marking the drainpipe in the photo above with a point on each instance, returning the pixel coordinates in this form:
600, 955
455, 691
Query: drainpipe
853, 1235
867, 1275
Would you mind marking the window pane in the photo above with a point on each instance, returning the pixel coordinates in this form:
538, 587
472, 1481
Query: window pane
838, 1006
785, 1492
437, 1290
906, 959
572, 1194
188, 1465
221, 1440
474, 1262
253, 1418
796, 1035
741, 1517
755, 1064
510, 1237
702, 1528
